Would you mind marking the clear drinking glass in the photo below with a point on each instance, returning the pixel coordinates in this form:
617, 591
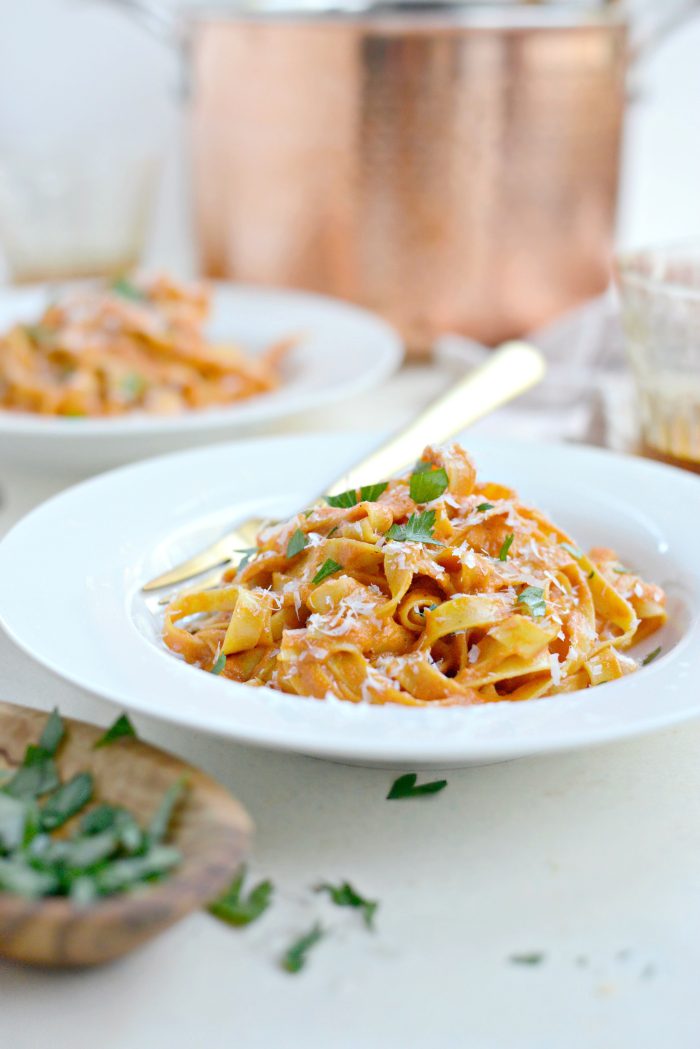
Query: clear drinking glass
72, 212
660, 298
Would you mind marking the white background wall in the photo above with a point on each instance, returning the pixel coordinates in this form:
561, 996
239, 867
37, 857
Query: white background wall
78, 70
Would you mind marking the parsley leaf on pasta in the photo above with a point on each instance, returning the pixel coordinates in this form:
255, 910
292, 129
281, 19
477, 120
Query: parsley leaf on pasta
507, 543
533, 599
127, 289
418, 529
219, 665
247, 553
369, 493
651, 657
427, 482
296, 543
344, 500
328, 567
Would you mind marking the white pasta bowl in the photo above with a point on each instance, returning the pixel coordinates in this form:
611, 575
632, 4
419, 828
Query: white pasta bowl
72, 569
342, 351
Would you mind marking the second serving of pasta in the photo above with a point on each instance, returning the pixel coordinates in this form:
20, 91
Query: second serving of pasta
432, 589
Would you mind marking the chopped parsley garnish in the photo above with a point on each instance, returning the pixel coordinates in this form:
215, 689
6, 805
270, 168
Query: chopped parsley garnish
235, 909
121, 728
343, 500
573, 550
296, 543
533, 958
369, 493
591, 574
328, 567
35, 777
651, 657
219, 665
405, 787
248, 553
54, 731
427, 482
483, 507
533, 599
507, 543
38, 332
294, 958
37, 774
66, 801
127, 289
418, 529
133, 385
344, 895
106, 853
161, 819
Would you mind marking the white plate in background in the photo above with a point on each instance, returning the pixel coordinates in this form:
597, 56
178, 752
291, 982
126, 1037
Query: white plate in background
72, 569
342, 351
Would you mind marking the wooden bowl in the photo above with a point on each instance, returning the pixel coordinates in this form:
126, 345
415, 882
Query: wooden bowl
211, 829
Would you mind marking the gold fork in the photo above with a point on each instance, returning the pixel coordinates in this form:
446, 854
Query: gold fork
508, 372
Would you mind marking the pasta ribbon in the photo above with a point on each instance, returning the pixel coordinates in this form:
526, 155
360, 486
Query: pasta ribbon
469, 598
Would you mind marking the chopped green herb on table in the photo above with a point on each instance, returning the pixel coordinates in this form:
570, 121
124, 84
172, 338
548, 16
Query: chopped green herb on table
107, 853
294, 958
344, 895
532, 959
121, 729
235, 909
405, 787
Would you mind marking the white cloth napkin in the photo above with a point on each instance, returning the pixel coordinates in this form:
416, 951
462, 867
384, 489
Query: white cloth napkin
587, 394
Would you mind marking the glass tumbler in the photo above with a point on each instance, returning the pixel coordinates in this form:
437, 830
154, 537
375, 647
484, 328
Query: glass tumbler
660, 302
76, 209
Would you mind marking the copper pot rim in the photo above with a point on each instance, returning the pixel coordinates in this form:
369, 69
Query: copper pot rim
509, 14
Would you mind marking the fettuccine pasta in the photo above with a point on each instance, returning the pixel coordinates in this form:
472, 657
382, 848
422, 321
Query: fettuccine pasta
136, 345
433, 589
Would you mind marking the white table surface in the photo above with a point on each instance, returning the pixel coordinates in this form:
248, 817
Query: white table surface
591, 858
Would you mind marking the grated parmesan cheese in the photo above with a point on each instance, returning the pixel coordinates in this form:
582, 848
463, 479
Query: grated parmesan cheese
556, 668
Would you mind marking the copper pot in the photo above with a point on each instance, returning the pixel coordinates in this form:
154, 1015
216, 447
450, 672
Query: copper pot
453, 167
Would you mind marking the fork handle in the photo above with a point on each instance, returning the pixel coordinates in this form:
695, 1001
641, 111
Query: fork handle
511, 370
